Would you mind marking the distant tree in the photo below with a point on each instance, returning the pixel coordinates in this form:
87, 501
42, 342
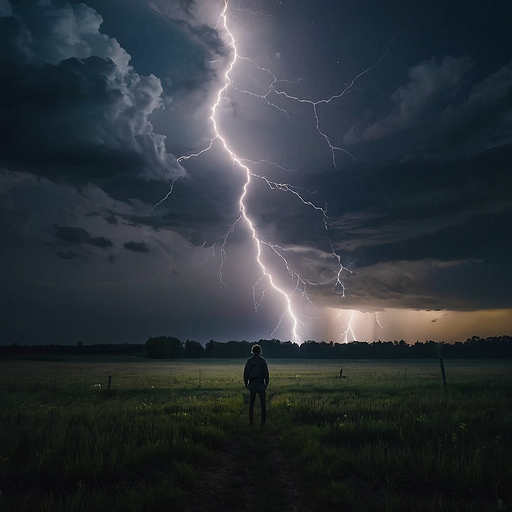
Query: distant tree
164, 347
193, 349
238, 349
276, 348
211, 348
495, 347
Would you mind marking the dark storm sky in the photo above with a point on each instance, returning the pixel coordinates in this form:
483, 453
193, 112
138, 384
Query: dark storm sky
392, 118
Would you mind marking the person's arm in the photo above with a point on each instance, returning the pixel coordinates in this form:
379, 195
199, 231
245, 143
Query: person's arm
246, 374
266, 374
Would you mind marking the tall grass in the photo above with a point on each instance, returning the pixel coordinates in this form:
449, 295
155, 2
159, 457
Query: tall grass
378, 443
383, 438
68, 444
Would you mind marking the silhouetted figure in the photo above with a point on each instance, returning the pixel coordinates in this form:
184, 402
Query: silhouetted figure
256, 381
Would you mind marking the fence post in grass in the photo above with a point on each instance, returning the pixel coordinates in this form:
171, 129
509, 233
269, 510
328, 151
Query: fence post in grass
109, 382
443, 373
341, 373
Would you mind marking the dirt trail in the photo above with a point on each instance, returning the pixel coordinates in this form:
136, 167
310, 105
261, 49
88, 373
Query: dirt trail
250, 474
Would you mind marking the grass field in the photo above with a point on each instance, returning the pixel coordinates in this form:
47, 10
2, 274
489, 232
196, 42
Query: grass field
175, 436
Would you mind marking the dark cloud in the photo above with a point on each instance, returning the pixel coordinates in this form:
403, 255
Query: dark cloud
14, 221
111, 219
101, 242
442, 112
171, 42
432, 86
79, 236
136, 246
72, 105
209, 39
68, 255
71, 235
199, 208
400, 174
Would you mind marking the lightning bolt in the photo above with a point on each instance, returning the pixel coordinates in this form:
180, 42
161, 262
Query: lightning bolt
275, 88
171, 188
349, 330
242, 206
377, 321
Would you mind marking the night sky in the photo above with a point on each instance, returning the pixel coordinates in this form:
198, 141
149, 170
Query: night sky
363, 147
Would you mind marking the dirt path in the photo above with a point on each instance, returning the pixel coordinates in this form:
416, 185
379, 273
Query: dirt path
250, 474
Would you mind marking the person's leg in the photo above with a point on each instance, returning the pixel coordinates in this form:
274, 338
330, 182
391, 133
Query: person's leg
263, 407
252, 399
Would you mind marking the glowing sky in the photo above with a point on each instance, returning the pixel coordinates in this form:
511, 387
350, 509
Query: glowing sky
377, 139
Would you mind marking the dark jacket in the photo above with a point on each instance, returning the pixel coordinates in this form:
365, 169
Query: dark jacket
256, 372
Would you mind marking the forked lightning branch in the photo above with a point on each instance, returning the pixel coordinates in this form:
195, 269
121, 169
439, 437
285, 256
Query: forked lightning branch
268, 270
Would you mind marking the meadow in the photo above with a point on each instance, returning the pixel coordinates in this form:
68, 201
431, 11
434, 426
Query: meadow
174, 435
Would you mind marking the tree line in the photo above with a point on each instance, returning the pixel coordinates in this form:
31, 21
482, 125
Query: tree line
477, 348
168, 347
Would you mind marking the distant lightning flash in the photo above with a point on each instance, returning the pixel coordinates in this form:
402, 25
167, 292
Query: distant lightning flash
348, 330
301, 285
171, 188
377, 321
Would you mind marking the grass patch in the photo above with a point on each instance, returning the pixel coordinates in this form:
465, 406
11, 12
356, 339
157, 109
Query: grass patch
384, 437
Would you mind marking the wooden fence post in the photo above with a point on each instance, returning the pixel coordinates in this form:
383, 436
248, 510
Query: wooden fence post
443, 373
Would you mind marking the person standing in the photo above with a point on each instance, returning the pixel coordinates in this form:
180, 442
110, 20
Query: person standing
256, 381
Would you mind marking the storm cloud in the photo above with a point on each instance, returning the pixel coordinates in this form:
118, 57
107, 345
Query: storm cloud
361, 153
72, 105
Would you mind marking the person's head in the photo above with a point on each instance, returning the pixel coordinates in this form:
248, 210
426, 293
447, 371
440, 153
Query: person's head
256, 350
